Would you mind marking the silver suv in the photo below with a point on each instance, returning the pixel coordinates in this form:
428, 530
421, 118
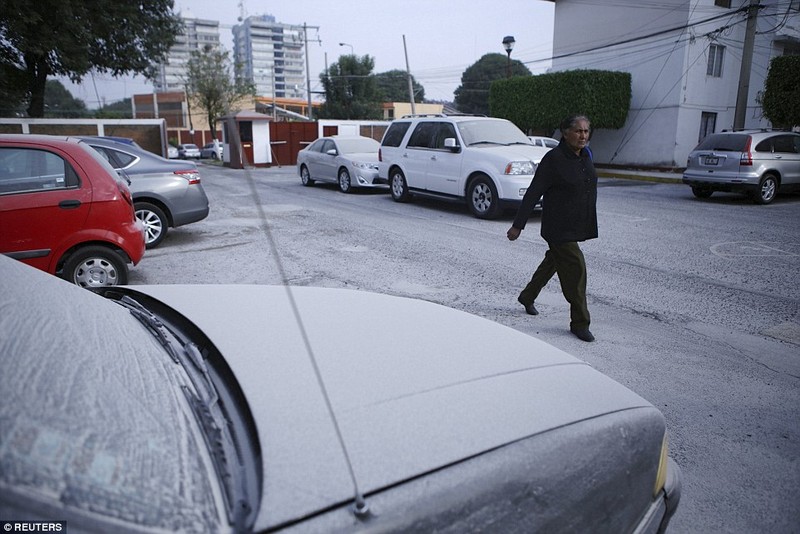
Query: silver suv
756, 162
487, 162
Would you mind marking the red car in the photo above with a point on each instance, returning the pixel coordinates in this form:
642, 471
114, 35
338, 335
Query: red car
64, 210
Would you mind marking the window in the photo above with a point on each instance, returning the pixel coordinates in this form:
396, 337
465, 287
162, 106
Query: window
444, 131
422, 136
722, 3
33, 170
708, 123
395, 134
715, 54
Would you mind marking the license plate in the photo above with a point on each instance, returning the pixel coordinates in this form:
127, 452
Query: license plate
712, 160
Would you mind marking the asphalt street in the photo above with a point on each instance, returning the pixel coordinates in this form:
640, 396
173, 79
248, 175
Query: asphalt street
695, 304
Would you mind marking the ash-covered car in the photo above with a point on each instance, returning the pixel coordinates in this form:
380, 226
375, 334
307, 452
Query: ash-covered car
238, 408
349, 161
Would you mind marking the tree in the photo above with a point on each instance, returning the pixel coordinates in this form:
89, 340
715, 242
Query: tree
121, 109
393, 86
71, 37
539, 103
472, 96
781, 98
209, 81
351, 91
59, 102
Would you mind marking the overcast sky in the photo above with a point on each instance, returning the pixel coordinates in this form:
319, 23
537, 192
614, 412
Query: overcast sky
443, 37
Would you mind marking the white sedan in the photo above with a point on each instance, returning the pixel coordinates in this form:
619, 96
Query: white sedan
349, 161
239, 408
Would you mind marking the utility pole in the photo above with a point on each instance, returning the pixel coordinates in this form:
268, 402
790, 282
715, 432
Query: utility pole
308, 74
410, 84
747, 65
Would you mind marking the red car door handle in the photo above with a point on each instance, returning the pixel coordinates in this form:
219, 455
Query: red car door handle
69, 204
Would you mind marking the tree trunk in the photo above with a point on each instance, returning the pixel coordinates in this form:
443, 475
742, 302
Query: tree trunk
37, 80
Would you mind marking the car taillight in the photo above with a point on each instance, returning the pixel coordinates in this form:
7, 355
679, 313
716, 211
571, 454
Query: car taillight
126, 193
746, 158
192, 176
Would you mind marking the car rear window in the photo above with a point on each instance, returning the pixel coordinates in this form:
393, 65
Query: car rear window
395, 133
724, 142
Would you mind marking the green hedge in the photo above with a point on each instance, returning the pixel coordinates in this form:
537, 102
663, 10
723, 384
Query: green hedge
539, 103
781, 98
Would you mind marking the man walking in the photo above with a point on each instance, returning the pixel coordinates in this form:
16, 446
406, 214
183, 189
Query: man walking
567, 183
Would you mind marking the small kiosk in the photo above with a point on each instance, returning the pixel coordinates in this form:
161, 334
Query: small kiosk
246, 140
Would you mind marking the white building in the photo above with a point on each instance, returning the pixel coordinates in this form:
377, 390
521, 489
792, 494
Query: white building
271, 55
684, 57
171, 75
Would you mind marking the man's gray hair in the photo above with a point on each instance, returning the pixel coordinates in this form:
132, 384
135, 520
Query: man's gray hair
570, 121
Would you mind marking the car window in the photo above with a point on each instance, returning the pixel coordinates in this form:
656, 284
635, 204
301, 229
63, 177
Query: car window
724, 142
550, 143
784, 144
395, 134
423, 135
497, 131
328, 145
358, 146
25, 170
443, 131
316, 146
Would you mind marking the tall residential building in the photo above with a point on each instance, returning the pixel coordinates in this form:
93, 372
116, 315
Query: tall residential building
271, 55
170, 76
685, 60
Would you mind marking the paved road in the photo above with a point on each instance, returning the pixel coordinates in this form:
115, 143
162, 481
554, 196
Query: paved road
695, 305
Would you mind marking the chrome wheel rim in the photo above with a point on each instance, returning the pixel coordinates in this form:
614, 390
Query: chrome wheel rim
152, 225
481, 197
96, 272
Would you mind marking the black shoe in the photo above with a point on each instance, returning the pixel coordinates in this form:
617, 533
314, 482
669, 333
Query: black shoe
582, 333
529, 308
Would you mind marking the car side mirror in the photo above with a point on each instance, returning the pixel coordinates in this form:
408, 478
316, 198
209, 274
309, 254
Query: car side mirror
332, 152
451, 145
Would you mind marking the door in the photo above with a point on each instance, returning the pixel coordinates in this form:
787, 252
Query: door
42, 202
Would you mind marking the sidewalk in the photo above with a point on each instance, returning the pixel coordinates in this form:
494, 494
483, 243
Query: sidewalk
665, 176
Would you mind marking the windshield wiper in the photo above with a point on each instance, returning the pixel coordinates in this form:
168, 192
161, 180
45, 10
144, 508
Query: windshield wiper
152, 324
485, 143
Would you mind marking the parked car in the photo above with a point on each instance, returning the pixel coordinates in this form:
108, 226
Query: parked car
188, 151
65, 211
201, 409
758, 163
172, 152
350, 161
487, 162
547, 142
166, 194
211, 151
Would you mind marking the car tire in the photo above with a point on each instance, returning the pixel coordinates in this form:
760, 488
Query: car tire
305, 176
701, 192
482, 198
767, 189
95, 266
345, 186
398, 186
155, 223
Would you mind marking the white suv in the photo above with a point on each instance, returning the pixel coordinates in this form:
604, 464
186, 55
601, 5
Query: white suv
486, 161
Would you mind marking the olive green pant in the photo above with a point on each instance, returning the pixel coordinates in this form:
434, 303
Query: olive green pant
567, 261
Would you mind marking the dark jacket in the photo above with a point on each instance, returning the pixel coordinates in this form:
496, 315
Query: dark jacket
567, 184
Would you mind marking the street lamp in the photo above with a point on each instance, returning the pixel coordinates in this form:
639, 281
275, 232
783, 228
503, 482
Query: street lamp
508, 44
351, 47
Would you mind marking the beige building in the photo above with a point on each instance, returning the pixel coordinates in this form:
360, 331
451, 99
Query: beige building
395, 110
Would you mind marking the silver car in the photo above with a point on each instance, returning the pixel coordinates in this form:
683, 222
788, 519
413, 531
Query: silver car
165, 193
349, 161
188, 151
758, 163
211, 408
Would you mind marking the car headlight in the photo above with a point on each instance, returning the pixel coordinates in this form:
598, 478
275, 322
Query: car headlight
661, 476
520, 167
363, 165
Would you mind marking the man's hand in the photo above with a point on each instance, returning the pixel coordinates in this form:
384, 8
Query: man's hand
513, 233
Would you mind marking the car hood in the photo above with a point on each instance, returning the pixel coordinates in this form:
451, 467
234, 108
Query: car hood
518, 152
415, 386
362, 156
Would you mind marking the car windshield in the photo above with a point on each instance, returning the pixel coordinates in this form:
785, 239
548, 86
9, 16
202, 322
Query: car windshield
358, 146
724, 142
497, 131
